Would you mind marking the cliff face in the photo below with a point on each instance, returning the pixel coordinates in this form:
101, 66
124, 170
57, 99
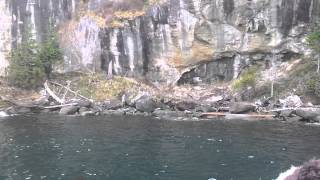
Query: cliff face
174, 41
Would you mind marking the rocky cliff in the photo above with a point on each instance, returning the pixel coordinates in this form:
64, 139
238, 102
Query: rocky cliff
171, 41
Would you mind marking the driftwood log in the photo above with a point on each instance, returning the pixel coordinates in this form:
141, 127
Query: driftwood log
62, 100
257, 116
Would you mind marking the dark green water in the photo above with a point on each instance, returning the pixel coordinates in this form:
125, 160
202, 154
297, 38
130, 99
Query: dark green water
140, 148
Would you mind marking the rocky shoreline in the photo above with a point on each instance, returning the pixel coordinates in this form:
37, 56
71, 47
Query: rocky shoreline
143, 104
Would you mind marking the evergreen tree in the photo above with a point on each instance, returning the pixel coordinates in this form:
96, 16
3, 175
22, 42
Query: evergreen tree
31, 64
50, 53
25, 69
314, 43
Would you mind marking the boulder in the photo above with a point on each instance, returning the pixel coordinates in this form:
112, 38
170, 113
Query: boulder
146, 104
309, 115
86, 104
130, 98
113, 104
87, 113
113, 112
294, 119
286, 113
69, 110
242, 107
205, 108
21, 110
83, 109
291, 101
186, 105
214, 99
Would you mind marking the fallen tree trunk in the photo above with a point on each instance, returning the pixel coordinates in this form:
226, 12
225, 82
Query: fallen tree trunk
300, 108
60, 106
228, 115
71, 91
52, 94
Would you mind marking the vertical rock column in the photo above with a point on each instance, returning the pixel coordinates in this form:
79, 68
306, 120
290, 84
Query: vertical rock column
5, 35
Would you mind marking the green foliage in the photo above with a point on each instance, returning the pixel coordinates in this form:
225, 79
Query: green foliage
314, 41
49, 53
31, 64
313, 85
247, 79
95, 86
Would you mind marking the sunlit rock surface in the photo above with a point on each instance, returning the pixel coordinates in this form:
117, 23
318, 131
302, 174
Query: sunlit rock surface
5, 35
174, 41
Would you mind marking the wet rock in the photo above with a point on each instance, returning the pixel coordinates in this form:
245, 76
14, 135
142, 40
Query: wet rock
69, 110
167, 114
18, 110
47, 111
309, 115
146, 104
87, 113
83, 109
294, 119
113, 112
286, 113
129, 111
242, 107
23, 110
97, 108
186, 105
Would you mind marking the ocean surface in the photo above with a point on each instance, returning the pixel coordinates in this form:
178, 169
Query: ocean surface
144, 148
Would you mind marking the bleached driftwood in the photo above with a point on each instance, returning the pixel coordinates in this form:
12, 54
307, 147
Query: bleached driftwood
219, 114
66, 90
71, 91
297, 108
52, 94
60, 106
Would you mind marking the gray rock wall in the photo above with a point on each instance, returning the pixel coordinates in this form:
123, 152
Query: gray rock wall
178, 40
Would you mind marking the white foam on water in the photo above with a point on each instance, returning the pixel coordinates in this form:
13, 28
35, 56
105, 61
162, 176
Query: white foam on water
3, 114
284, 175
313, 124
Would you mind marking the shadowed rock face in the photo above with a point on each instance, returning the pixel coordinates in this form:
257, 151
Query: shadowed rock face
177, 40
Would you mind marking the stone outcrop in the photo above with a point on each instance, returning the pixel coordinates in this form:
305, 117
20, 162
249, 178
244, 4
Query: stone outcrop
174, 41
242, 107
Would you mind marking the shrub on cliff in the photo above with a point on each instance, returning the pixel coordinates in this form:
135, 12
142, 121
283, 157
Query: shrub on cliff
313, 41
49, 53
31, 63
313, 85
247, 79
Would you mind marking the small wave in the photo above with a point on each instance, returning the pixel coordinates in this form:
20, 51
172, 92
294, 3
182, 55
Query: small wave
313, 124
3, 114
284, 175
